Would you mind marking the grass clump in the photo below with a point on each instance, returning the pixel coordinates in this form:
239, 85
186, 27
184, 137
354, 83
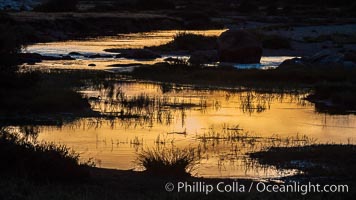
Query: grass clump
168, 161
189, 42
41, 162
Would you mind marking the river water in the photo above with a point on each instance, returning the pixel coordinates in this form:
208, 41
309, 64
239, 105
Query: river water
225, 125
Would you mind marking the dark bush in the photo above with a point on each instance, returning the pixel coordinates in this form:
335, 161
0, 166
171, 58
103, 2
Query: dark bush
168, 161
22, 158
189, 42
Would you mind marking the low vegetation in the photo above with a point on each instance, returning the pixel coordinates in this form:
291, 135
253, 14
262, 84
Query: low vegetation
165, 161
189, 42
329, 160
13, 37
33, 93
40, 162
333, 84
30, 92
230, 76
336, 96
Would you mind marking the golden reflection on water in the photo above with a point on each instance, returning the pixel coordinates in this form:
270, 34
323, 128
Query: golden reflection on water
124, 41
94, 46
98, 45
210, 120
226, 125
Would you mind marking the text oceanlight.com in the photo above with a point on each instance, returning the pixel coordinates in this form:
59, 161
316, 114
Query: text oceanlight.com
236, 187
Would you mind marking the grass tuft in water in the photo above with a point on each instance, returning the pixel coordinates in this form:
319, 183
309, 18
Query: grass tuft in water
169, 161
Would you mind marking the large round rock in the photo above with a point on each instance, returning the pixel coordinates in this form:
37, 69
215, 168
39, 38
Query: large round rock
239, 46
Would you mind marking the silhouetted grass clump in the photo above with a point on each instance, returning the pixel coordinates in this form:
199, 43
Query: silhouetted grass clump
189, 42
164, 161
22, 158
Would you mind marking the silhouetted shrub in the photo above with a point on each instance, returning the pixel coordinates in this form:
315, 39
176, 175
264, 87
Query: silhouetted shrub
168, 161
22, 158
189, 42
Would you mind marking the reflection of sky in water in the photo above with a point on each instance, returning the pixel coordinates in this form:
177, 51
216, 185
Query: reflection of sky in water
114, 143
267, 62
134, 40
97, 45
